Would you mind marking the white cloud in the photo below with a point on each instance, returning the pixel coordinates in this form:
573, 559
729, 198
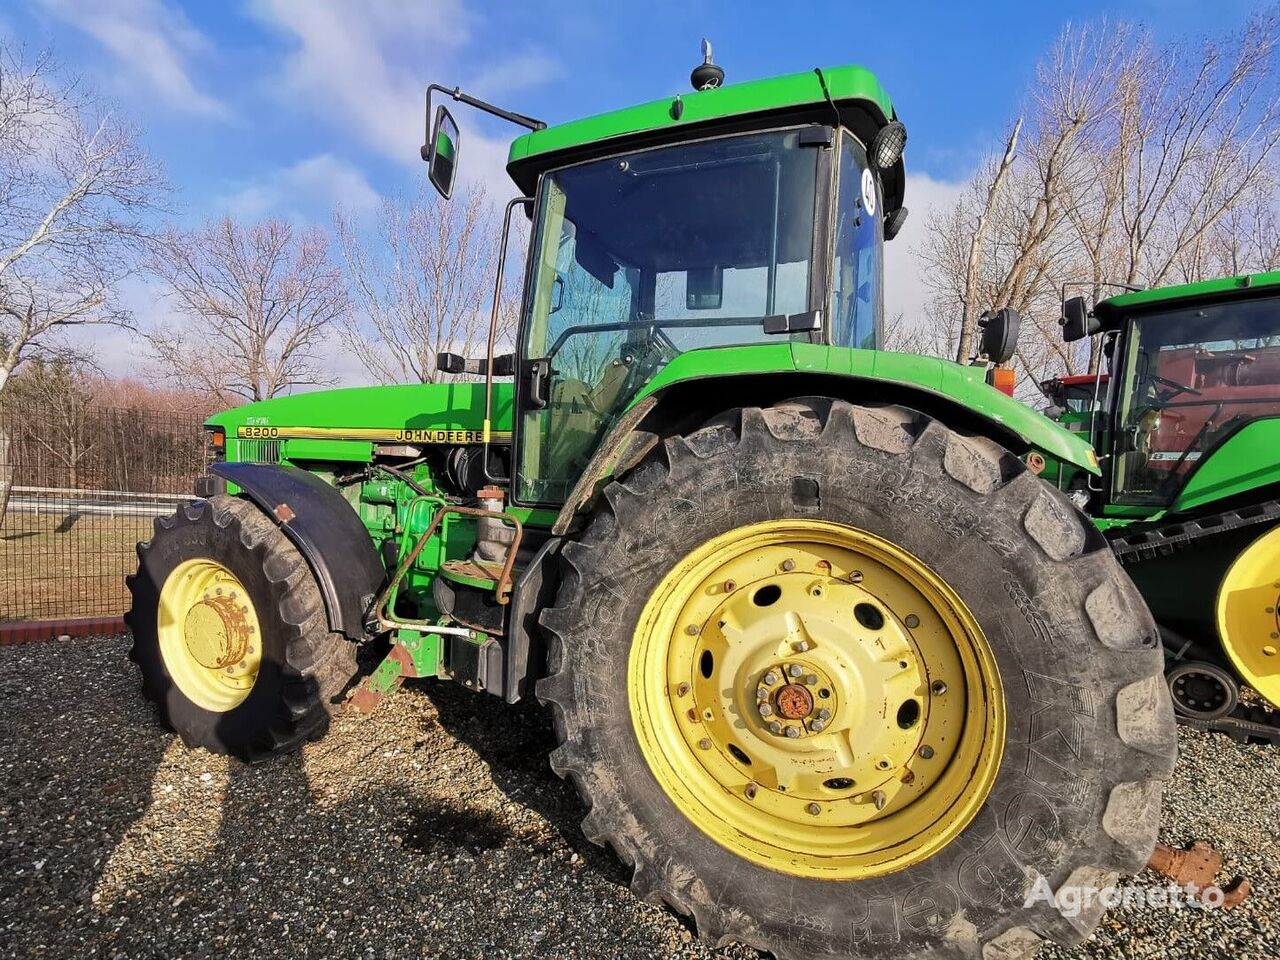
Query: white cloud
905, 290
365, 70
151, 43
307, 190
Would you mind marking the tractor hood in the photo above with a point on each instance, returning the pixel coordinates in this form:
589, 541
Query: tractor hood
410, 413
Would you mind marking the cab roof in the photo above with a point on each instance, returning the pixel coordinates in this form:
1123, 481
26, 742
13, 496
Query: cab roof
1110, 310
857, 96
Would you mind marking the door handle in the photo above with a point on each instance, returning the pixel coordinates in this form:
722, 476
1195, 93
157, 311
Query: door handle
539, 382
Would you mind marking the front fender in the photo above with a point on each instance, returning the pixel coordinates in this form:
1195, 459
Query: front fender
325, 529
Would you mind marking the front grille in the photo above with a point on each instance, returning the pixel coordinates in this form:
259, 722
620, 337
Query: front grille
258, 451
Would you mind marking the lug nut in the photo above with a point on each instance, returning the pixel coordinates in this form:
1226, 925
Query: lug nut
912, 621
775, 727
795, 670
751, 791
788, 565
766, 710
770, 678
804, 646
682, 690
730, 586
855, 576
792, 733
814, 809
811, 679
704, 743
824, 714
691, 629
927, 752
938, 687
879, 799
817, 726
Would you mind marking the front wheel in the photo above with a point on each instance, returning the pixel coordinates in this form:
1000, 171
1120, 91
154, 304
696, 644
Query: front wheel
839, 680
230, 634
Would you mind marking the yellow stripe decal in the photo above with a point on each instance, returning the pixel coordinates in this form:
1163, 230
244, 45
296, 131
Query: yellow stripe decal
406, 435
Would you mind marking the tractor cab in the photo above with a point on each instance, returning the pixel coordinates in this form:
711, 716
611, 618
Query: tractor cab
1194, 368
724, 217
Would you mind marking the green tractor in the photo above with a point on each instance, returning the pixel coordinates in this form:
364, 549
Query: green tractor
1188, 430
834, 670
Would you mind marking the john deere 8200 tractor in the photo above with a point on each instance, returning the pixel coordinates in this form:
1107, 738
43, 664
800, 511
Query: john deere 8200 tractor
835, 671
1189, 431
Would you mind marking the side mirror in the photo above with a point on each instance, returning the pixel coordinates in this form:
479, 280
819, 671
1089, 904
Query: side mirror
1077, 322
999, 335
704, 289
441, 153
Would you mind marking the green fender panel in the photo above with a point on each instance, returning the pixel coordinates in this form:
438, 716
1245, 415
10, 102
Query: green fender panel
964, 386
1246, 460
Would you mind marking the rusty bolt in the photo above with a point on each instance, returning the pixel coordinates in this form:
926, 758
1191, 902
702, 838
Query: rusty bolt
766, 710
682, 690
912, 621
704, 743
730, 586
751, 791
938, 687
814, 809
770, 678
795, 670
691, 629
879, 799
908, 776
788, 564
792, 733
927, 752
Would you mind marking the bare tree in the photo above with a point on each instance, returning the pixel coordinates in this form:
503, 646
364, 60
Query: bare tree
52, 399
1138, 165
423, 282
257, 302
76, 189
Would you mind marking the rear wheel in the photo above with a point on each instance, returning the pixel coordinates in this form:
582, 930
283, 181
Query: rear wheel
229, 632
840, 680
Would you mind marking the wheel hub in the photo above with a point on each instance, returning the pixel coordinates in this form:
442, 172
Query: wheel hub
815, 679
216, 631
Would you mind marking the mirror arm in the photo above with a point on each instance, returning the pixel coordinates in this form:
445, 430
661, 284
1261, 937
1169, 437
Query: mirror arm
456, 93
493, 333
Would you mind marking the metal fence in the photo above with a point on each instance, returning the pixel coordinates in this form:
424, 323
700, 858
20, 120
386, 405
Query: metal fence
83, 489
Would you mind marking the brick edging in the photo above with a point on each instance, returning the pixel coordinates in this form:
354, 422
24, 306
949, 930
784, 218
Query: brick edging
42, 631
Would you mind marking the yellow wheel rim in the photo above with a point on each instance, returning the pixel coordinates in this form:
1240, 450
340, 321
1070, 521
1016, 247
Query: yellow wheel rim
1248, 622
209, 636
816, 700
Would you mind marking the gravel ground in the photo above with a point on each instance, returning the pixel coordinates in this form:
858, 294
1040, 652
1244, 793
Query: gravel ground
432, 828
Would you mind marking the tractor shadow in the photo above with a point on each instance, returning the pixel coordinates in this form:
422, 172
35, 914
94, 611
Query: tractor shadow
514, 741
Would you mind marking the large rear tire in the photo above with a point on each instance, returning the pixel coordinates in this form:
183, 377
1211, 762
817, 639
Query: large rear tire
230, 634
997, 711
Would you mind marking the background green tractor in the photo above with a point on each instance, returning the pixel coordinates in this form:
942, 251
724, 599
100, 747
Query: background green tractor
1188, 429
834, 670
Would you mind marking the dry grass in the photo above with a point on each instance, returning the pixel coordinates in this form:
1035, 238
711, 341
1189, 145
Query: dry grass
58, 565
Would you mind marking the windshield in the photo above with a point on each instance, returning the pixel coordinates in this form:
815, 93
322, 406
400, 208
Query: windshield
643, 256
1193, 376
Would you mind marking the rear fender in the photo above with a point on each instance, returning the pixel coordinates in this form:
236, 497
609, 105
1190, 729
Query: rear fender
683, 405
